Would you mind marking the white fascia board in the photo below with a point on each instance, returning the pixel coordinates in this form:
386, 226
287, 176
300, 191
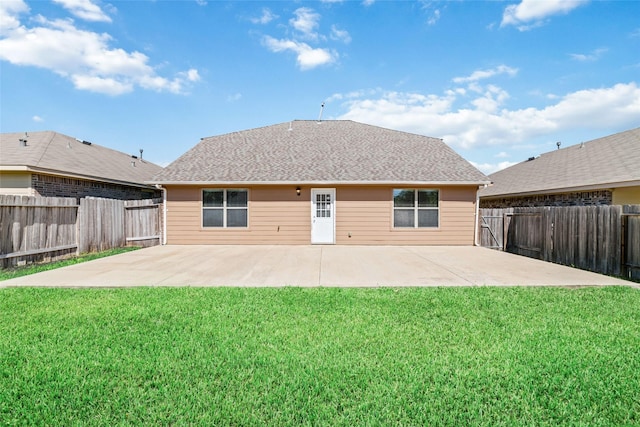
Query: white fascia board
14, 168
319, 183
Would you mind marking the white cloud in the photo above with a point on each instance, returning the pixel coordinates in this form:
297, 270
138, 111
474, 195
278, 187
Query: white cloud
37, 119
593, 56
532, 13
302, 34
340, 35
191, 75
266, 17
485, 74
235, 97
84, 57
306, 21
482, 123
489, 168
502, 155
9, 13
307, 57
84, 9
433, 19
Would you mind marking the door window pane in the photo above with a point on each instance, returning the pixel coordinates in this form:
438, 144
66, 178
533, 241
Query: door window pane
323, 206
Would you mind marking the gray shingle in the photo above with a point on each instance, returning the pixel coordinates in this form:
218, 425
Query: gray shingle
596, 163
52, 151
327, 151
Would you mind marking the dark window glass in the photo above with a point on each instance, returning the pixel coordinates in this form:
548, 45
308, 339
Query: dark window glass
236, 218
212, 218
236, 198
212, 198
403, 218
427, 198
428, 218
403, 198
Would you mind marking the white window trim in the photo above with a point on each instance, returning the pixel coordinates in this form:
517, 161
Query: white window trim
415, 208
224, 208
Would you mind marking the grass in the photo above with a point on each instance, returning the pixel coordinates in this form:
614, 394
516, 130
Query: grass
292, 356
11, 273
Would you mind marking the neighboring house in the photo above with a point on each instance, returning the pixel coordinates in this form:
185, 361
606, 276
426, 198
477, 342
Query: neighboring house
603, 171
324, 182
56, 165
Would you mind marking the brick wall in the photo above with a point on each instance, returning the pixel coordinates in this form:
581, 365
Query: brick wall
581, 198
57, 186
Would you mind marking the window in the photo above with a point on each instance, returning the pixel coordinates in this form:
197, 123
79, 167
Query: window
224, 208
415, 208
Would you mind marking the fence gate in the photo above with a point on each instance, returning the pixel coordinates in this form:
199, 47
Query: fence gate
493, 226
631, 242
525, 233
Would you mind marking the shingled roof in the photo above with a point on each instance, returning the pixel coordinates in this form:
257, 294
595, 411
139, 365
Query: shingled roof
608, 162
307, 152
58, 154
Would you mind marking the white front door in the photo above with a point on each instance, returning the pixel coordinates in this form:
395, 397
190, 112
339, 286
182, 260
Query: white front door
323, 212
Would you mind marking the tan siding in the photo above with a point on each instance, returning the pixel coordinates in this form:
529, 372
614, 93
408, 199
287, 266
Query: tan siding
367, 214
626, 196
278, 216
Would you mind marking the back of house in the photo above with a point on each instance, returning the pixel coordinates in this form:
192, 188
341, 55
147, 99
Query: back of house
321, 182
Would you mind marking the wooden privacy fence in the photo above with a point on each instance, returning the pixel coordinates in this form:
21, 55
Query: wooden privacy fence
603, 239
45, 228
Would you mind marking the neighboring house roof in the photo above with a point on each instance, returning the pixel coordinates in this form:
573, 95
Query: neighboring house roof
608, 162
53, 153
307, 152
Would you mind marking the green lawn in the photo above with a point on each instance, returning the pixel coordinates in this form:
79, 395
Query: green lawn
10, 273
292, 356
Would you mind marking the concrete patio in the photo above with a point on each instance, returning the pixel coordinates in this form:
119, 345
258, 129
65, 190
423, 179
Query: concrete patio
307, 266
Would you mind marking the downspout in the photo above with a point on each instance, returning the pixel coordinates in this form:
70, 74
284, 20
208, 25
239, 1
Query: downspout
164, 213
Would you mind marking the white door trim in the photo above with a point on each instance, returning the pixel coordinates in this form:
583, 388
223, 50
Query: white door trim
323, 227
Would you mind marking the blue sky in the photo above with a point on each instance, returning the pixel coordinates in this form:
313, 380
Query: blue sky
499, 81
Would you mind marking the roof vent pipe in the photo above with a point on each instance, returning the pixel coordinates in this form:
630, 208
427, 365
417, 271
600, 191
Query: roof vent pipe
558, 144
141, 150
23, 141
321, 111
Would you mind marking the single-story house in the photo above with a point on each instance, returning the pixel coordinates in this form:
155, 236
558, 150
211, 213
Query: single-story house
604, 171
320, 182
55, 165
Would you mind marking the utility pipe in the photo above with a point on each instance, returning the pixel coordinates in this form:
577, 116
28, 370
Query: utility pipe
164, 213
